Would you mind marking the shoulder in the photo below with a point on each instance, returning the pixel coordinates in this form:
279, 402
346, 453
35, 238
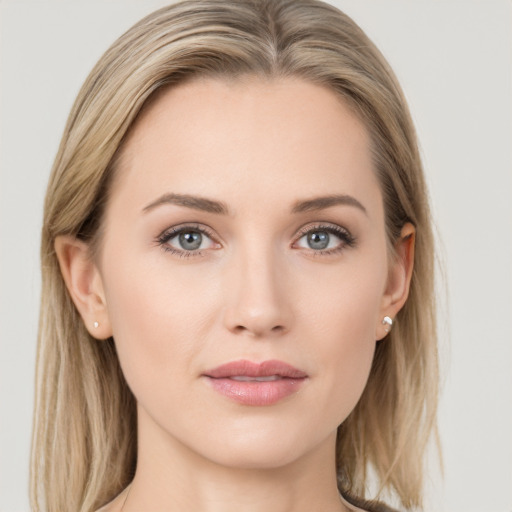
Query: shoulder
116, 504
360, 505
109, 507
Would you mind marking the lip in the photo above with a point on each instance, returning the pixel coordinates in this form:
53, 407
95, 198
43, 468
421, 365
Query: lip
237, 380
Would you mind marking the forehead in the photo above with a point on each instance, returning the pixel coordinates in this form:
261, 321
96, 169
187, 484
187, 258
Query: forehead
247, 138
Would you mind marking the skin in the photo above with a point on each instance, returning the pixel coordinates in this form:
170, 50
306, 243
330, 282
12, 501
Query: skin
256, 290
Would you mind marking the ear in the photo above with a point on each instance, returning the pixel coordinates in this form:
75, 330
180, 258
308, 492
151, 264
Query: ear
84, 283
399, 278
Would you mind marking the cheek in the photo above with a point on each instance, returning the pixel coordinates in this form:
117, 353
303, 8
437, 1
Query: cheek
342, 321
158, 318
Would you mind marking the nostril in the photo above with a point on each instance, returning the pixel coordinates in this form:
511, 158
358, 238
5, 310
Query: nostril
258, 332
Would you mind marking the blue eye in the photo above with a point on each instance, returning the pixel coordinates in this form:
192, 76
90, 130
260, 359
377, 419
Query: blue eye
325, 239
190, 240
318, 240
186, 240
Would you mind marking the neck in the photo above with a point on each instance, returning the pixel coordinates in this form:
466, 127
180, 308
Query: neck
170, 476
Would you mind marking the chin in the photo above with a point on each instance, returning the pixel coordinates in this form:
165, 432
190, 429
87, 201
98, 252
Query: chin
255, 457
263, 447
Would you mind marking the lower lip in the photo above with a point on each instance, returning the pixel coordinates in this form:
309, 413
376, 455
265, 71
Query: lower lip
256, 392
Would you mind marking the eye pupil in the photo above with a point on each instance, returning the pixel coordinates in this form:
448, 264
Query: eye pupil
190, 240
318, 239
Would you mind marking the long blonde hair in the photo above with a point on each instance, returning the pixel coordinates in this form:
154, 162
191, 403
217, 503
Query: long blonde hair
84, 440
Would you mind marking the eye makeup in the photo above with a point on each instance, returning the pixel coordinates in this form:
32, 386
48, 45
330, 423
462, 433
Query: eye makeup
346, 239
179, 232
187, 240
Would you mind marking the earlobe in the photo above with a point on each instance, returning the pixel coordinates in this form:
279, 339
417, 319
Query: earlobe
84, 283
399, 279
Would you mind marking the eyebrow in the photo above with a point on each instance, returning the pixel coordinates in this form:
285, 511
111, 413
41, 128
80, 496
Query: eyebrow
189, 201
219, 207
321, 203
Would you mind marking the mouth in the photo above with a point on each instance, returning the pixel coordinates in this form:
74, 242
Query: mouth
256, 384
245, 378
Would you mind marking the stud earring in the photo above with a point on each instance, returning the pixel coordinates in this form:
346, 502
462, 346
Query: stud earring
96, 325
387, 322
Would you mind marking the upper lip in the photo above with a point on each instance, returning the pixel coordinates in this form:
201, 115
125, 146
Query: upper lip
251, 369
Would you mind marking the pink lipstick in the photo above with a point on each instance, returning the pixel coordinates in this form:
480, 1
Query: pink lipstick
256, 384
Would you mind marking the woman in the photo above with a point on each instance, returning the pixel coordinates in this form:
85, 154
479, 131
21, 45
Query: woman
237, 267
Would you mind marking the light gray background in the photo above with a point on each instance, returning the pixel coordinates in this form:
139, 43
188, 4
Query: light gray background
453, 59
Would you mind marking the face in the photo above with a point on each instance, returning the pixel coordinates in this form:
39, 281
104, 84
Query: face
244, 268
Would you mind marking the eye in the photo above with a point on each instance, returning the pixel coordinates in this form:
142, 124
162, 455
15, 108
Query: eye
325, 239
186, 240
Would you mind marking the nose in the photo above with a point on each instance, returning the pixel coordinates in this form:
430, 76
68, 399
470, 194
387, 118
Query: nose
258, 299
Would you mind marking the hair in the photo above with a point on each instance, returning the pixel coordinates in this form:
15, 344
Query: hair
84, 436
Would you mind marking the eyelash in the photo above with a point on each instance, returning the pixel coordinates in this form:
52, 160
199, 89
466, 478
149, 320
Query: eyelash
346, 238
167, 235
